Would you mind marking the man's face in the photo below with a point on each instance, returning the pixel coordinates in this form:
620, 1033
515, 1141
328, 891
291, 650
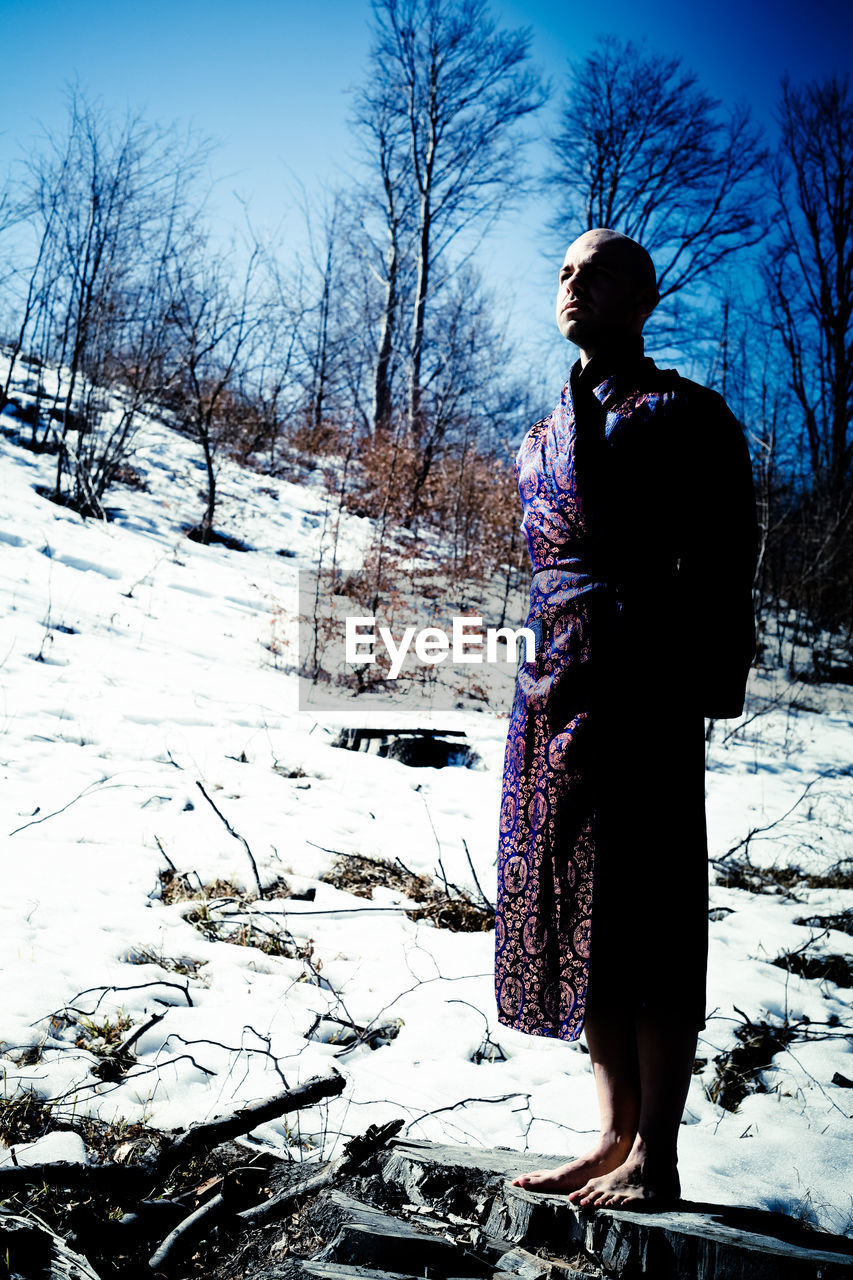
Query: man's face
597, 297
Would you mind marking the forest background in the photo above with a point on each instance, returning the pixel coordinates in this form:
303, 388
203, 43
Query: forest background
360, 278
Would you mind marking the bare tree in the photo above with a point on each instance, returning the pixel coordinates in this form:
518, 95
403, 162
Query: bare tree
214, 319
40, 208
446, 78
333, 332
810, 269
108, 205
642, 149
809, 278
388, 199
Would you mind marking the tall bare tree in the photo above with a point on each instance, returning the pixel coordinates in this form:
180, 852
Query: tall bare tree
810, 269
332, 334
389, 204
215, 315
456, 87
809, 276
643, 149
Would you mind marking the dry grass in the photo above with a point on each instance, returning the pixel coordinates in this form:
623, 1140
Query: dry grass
271, 939
447, 908
24, 1117
818, 968
184, 965
842, 921
250, 933
739, 1070
188, 886
743, 874
103, 1038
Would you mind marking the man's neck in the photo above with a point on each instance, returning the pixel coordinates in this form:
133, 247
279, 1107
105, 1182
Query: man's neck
613, 351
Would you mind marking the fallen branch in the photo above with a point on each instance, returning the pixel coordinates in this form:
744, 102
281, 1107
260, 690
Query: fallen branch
199, 1138
126, 1045
185, 1233
196, 1224
210, 1133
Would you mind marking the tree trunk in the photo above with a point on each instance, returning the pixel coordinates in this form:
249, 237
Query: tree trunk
421, 290
382, 376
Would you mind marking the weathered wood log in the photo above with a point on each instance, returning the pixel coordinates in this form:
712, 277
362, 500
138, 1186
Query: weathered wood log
29, 1249
370, 1238
515, 1261
340, 1271
700, 1241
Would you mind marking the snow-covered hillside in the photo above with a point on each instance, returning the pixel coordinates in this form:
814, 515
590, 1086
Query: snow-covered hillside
135, 664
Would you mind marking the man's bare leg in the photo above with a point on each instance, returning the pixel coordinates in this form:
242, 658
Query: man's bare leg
612, 1041
648, 1175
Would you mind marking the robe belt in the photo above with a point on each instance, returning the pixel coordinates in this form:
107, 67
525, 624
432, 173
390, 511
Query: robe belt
570, 569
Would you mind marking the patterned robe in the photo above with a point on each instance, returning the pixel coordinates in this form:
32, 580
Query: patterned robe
639, 514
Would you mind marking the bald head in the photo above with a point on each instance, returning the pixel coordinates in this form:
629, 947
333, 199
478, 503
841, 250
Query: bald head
634, 260
607, 289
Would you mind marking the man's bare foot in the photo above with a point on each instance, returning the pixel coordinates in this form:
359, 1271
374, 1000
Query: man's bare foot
606, 1156
637, 1183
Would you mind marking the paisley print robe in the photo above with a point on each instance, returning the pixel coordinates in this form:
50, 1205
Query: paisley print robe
639, 514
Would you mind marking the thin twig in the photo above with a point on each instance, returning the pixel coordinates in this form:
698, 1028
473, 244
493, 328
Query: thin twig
140, 1031
86, 791
486, 901
236, 835
755, 831
159, 844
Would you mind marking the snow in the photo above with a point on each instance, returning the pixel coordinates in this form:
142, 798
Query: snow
61, 1144
135, 663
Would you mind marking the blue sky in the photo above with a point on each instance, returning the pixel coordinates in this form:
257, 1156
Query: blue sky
269, 82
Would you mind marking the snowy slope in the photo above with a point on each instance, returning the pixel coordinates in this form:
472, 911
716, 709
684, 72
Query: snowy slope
135, 664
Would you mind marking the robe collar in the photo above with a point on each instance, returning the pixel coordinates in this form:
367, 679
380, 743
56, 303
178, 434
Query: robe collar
609, 363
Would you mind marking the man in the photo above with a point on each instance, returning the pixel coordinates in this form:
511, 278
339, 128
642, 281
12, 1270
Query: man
640, 518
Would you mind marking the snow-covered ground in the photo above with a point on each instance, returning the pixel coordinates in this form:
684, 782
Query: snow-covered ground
135, 664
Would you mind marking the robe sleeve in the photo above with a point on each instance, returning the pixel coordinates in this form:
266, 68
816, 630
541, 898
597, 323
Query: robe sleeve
718, 556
